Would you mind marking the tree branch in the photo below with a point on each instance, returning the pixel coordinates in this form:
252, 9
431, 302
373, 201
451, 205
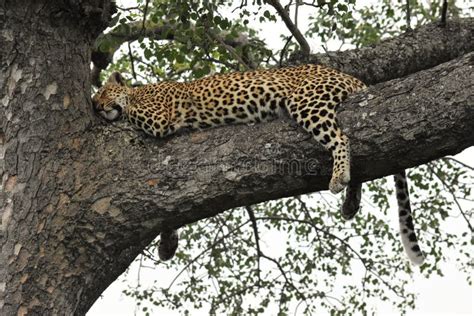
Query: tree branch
394, 125
422, 48
305, 49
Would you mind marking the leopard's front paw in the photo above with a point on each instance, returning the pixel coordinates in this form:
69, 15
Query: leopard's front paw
336, 185
339, 182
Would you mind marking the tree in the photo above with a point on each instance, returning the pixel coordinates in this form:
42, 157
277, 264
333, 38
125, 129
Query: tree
80, 200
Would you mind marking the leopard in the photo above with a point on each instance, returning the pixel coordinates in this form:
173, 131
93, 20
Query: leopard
309, 94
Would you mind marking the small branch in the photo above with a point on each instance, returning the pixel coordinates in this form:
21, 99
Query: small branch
132, 63
459, 162
149, 65
297, 6
444, 13
101, 59
257, 239
451, 191
231, 50
319, 5
283, 273
283, 50
145, 12
217, 61
217, 241
305, 49
408, 15
363, 260
243, 3
128, 9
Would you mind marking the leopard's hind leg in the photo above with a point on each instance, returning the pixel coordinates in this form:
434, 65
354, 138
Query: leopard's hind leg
168, 244
351, 204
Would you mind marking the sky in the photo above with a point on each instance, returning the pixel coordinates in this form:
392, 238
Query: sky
448, 295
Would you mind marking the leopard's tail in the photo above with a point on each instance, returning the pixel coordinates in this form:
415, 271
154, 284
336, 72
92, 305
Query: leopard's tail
407, 231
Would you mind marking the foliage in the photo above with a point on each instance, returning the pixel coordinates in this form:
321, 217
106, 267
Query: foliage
322, 262
302, 257
349, 23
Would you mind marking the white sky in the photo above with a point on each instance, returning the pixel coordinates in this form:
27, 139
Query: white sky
448, 295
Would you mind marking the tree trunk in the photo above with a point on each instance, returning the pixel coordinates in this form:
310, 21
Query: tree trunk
45, 265
81, 199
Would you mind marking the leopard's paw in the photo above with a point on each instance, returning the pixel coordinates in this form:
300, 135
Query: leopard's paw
339, 182
336, 185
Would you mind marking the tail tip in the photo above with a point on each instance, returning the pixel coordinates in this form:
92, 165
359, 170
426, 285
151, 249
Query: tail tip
417, 260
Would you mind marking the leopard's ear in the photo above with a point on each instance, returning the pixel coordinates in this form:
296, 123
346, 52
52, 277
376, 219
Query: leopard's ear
116, 78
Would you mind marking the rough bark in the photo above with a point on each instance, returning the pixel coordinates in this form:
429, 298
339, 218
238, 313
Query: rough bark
44, 93
80, 199
422, 48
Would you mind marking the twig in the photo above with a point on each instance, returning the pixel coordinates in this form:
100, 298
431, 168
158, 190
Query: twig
305, 49
130, 55
319, 5
145, 11
217, 61
128, 9
230, 49
444, 12
139, 272
305, 209
149, 65
459, 162
206, 250
257, 239
283, 273
342, 241
283, 50
429, 166
243, 3
408, 15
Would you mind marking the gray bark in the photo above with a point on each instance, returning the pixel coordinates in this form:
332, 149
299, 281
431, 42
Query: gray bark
80, 199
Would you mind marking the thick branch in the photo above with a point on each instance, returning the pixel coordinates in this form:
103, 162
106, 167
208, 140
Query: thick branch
422, 48
150, 185
394, 125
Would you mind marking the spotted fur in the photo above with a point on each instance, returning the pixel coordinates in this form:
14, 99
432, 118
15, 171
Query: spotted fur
310, 94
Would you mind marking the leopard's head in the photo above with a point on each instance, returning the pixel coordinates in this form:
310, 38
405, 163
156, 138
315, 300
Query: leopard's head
111, 99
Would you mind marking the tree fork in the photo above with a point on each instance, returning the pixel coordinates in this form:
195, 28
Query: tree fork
79, 199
